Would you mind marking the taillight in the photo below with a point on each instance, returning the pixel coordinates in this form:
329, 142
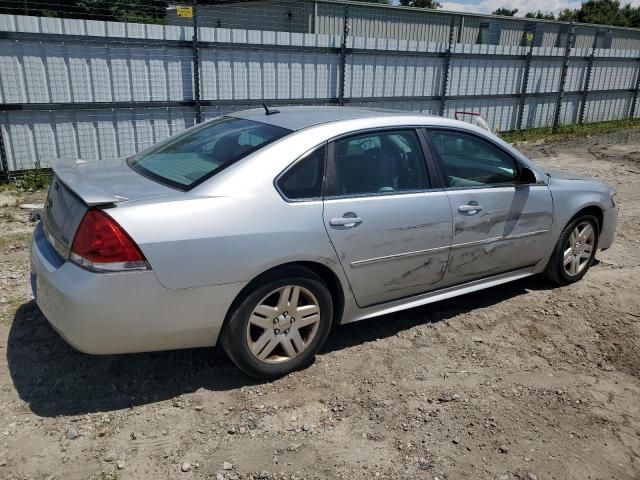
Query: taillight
101, 244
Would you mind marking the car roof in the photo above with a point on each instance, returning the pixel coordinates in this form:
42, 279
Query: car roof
296, 118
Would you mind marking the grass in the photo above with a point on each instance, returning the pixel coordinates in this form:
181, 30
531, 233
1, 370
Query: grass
21, 238
568, 132
6, 216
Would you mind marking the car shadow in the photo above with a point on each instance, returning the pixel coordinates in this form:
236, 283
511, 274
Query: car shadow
54, 379
389, 325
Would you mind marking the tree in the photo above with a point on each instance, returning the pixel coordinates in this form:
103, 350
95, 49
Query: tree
421, 3
606, 12
144, 11
603, 12
631, 16
540, 15
506, 12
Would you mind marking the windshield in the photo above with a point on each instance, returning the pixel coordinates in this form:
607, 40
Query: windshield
189, 158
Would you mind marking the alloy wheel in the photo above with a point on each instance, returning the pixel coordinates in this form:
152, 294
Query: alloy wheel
579, 247
283, 324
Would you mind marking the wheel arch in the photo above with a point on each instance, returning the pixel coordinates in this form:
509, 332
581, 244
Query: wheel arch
593, 209
325, 273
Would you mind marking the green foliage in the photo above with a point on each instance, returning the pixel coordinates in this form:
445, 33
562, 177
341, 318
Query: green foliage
540, 15
603, 12
33, 180
420, 3
140, 11
505, 12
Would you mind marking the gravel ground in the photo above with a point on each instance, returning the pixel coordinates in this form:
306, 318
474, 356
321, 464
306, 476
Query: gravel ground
523, 381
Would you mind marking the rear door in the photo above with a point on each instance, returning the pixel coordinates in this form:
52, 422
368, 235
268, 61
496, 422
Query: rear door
499, 224
386, 215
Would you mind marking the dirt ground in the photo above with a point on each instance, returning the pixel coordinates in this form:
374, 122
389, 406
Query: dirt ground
522, 381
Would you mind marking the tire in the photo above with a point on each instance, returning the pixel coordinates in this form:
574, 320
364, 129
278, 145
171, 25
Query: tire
556, 270
262, 335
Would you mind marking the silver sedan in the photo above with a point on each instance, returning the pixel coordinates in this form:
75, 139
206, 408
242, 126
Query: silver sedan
260, 229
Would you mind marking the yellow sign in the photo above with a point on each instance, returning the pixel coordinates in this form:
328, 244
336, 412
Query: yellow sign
186, 12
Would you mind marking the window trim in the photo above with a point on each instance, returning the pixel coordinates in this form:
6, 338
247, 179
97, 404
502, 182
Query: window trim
301, 158
330, 159
440, 163
432, 164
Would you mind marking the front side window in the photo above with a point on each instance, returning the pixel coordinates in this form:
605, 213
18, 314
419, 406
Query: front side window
469, 161
303, 181
187, 159
379, 162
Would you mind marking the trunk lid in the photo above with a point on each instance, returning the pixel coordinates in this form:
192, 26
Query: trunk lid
78, 185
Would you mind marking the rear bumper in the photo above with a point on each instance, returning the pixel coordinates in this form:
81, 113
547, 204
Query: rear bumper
609, 224
123, 312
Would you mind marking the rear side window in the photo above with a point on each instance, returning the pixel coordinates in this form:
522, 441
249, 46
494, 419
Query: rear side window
303, 181
469, 161
376, 163
189, 158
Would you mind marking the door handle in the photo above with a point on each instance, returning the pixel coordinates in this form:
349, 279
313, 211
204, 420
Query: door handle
470, 209
345, 221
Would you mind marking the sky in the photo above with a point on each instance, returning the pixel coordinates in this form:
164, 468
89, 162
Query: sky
523, 6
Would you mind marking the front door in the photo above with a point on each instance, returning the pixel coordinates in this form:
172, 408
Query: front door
499, 224
390, 229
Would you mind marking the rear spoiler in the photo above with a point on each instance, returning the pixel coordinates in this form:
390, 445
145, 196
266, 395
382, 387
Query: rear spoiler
67, 171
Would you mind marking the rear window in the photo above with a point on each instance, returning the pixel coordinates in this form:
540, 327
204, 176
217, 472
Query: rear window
191, 157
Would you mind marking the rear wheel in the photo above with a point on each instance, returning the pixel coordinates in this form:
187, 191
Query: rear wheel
280, 324
574, 251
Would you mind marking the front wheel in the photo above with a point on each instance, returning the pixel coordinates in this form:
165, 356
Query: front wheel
280, 325
575, 250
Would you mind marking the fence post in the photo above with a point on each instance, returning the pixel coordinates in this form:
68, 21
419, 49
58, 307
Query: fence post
563, 77
343, 56
525, 80
587, 77
4, 161
634, 100
447, 65
196, 64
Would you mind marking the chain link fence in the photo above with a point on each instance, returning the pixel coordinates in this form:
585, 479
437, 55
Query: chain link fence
96, 80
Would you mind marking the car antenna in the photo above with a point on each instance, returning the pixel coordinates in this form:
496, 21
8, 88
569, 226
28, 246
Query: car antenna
268, 111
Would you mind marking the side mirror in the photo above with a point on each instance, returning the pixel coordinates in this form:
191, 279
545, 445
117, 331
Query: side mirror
527, 177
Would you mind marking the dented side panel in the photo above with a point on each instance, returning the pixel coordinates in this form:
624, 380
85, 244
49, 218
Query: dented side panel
400, 249
511, 230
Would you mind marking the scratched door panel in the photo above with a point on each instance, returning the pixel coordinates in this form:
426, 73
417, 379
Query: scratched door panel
400, 248
508, 232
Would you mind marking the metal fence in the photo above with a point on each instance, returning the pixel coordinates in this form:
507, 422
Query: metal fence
97, 89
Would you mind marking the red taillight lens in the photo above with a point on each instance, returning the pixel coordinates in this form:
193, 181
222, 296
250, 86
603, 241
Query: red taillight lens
101, 244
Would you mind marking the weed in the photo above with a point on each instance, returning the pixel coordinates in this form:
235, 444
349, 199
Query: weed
34, 179
567, 132
6, 216
19, 239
